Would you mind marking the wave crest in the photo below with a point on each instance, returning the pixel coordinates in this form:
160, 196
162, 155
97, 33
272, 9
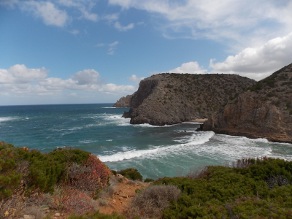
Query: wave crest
195, 139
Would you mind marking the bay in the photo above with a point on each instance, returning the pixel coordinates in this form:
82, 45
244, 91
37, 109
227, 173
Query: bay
155, 151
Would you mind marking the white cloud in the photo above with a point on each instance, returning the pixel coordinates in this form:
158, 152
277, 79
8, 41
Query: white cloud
111, 17
56, 12
113, 88
20, 74
74, 32
239, 21
258, 62
189, 67
9, 3
135, 78
112, 47
47, 11
120, 27
87, 76
19, 79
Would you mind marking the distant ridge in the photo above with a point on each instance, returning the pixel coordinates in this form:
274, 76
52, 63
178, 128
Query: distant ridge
123, 101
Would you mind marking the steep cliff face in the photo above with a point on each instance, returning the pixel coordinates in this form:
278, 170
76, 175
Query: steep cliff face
123, 101
173, 98
264, 111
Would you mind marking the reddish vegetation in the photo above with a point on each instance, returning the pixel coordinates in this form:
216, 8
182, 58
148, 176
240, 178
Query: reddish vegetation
70, 200
92, 176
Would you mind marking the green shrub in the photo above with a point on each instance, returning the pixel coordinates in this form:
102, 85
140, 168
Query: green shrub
239, 192
148, 180
43, 172
9, 177
131, 173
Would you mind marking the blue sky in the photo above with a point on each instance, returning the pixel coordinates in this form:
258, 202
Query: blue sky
95, 51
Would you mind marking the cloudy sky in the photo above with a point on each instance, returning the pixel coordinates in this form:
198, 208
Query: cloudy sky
95, 51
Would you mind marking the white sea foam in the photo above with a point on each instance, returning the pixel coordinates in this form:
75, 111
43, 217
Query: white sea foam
243, 139
108, 107
127, 155
231, 148
116, 119
5, 119
222, 148
86, 141
154, 152
146, 125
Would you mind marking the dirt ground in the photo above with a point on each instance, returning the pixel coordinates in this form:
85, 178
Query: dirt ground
119, 195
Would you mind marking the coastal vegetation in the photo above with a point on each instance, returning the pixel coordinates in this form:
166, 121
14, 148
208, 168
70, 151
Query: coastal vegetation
65, 179
73, 182
253, 188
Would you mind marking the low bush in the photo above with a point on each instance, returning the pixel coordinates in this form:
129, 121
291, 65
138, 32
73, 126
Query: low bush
90, 176
131, 173
43, 172
243, 191
151, 202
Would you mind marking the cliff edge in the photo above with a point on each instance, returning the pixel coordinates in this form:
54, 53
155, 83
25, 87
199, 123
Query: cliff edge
264, 111
165, 99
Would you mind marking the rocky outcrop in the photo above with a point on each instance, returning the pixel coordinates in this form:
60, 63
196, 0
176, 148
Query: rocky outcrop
265, 111
123, 101
173, 98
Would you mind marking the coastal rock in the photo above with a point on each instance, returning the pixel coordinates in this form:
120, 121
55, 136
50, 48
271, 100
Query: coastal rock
265, 111
123, 101
165, 99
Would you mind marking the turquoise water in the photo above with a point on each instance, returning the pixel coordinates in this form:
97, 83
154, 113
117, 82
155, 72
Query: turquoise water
155, 151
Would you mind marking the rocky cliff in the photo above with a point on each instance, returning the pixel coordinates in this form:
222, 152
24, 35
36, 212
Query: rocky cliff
264, 111
173, 98
123, 101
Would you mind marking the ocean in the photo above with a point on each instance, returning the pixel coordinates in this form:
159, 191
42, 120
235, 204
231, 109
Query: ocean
156, 152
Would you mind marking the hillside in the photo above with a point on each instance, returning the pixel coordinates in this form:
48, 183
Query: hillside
73, 184
264, 111
173, 98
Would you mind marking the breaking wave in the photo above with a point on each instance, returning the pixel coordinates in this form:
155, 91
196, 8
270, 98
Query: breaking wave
195, 139
6, 119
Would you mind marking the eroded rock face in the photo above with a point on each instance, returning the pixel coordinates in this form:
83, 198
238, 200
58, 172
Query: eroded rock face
265, 111
173, 98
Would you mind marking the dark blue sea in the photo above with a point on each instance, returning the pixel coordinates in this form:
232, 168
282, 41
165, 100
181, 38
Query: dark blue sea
155, 151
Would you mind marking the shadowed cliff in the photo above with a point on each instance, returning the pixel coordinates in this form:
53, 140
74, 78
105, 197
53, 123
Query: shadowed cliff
264, 111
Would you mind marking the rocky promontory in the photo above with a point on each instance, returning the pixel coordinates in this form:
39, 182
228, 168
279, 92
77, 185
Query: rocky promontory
174, 98
123, 101
264, 111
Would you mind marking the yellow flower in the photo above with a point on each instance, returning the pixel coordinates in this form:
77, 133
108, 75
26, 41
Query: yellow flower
6, 214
